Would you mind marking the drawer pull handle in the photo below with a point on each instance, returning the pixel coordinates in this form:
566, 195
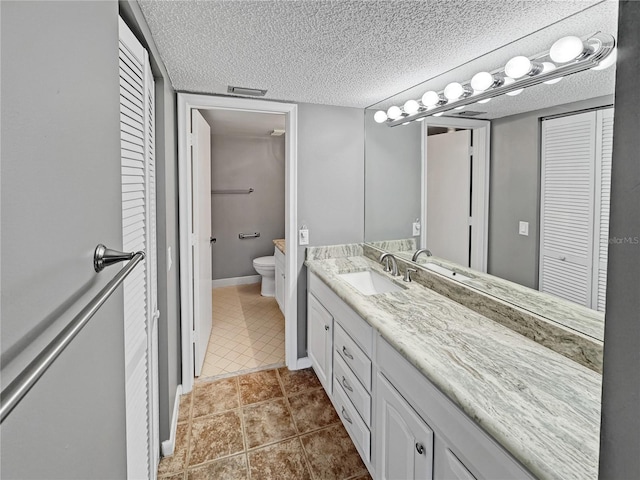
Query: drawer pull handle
420, 448
346, 385
346, 353
346, 417
326, 327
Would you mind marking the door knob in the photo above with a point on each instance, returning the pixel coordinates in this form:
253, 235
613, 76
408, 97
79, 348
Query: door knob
419, 448
212, 240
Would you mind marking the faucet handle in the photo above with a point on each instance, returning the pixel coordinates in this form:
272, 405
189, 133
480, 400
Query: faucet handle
407, 274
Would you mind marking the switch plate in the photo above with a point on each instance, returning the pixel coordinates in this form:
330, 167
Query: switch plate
416, 229
303, 236
523, 228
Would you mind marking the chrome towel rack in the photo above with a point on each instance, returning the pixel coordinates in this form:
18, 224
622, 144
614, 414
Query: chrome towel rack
27, 378
242, 236
246, 191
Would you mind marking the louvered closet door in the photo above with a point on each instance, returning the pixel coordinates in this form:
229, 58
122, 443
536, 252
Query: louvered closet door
567, 207
138, 221
604, 151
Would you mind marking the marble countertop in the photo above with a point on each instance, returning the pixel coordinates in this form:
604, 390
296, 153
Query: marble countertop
280, 244
540, 406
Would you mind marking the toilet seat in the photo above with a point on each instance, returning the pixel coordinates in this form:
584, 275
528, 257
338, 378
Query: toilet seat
265, 262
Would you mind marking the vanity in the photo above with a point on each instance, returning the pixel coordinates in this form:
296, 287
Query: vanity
428, 388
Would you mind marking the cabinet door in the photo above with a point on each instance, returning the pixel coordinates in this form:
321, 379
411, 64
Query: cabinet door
448, 465
320, 340
404, 442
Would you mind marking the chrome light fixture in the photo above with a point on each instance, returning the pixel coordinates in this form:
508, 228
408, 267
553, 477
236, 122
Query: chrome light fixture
567, 56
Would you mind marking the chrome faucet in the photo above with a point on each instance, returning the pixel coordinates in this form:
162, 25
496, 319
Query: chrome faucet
418, 252
390, 264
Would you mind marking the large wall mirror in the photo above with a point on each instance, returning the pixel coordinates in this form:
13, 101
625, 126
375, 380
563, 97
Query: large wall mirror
510, 196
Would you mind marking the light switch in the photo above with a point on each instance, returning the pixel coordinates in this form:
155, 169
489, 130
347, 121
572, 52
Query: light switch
304, 236
523, 228
416, 229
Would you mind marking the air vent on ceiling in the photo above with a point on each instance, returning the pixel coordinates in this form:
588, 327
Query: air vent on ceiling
465, 113
254, 92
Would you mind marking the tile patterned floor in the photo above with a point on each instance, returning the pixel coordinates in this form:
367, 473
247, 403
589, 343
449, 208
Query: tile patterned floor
268, 425
247, 332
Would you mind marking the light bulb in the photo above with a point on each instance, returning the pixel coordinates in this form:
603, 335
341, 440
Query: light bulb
430, 99
380, 116
486, 100
566, 49
411, 107
394, 113
509, 81
518, 67
453, 91
439, 114
608, 60
482, 81
550, 67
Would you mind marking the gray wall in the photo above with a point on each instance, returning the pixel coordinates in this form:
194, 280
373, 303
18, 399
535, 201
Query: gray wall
620, 432
514, 192
239, 162
169, 350
330, 186
393, 183
60, 197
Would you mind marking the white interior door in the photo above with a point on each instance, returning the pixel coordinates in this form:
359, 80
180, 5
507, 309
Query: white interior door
448, 195
201, 168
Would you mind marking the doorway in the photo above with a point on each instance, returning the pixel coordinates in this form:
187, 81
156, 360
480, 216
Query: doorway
189, 255
247, 159
462, 201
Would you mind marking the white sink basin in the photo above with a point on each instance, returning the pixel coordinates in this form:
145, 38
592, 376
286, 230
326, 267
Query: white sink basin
446, 272
369, 282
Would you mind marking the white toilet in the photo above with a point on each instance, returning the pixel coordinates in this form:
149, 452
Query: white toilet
266, 266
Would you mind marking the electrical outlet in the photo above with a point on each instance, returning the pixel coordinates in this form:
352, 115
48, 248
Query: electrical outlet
303, 236
523, 228
416, 229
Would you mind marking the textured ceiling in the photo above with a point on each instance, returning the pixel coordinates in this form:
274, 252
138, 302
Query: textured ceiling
239, 123
349, 53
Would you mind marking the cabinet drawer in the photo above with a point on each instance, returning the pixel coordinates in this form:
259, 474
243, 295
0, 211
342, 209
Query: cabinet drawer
352, 388
357, 429
353, 356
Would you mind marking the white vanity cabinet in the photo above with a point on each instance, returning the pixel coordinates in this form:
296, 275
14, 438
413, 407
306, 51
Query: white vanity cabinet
401, 424
280, 278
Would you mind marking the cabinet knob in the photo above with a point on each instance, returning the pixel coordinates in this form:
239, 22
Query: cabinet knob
420, 448
326, 327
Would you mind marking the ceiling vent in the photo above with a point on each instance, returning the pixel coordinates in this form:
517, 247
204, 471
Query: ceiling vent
277, 133
253, 92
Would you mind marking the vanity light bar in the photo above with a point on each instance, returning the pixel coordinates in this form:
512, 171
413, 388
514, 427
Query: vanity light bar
567, 56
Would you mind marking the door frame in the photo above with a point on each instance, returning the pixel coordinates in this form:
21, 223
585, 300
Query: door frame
187, 102
481, 131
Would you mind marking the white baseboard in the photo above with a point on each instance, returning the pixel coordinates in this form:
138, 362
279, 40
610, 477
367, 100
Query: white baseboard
168, 446
227, 282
